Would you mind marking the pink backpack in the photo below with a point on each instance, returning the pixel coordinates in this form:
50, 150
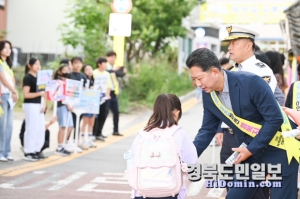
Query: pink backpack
154, 166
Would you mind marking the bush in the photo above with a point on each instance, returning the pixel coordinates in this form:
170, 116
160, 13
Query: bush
152, 81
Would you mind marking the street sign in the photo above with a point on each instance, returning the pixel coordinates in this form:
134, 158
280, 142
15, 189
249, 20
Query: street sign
121, 6
120, 24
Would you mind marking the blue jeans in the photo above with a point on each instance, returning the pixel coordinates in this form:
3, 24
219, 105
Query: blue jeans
6, 126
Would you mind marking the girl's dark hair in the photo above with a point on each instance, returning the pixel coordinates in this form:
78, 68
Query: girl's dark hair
275, 62
162, 116
56, 74
262, 57
82, 70
8, 59
32, 61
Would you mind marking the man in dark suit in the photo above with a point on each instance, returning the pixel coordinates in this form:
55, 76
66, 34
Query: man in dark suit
250, 98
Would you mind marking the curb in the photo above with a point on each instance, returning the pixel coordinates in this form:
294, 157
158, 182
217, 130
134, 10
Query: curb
188, 95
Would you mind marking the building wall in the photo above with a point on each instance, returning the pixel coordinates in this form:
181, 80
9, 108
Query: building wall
3, 17
32, 25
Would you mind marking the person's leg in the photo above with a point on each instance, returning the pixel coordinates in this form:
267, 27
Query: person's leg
40, 128
3, 122
115, 109
252, 189
101, 120
229, 142
90, 131
83, 128
30, 136
289, 173
62, 115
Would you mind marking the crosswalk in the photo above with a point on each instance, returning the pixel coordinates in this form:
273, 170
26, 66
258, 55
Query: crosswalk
112, 185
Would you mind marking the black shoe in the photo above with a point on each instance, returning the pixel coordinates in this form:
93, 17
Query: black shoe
31, 157
41, 155
62, 152
100, 138
103, 136
117, 134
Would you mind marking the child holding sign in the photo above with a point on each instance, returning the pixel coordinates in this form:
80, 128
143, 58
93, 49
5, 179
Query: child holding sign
63, 110
34, 108
102, 83
87, 118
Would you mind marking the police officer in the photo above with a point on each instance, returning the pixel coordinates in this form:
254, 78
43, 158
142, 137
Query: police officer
241, 48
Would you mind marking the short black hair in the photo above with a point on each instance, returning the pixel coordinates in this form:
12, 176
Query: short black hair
223, 61
256, 48
76, 59
101, 60
204, 59
111, 53
64, 61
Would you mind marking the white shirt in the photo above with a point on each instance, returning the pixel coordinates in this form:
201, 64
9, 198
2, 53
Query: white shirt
187, 150
259, 68
10, 80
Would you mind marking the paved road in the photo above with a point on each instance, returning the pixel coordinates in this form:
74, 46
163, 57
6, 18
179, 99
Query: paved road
96, 173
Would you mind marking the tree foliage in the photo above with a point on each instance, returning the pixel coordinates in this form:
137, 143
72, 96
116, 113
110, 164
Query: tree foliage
155, 23
88, 27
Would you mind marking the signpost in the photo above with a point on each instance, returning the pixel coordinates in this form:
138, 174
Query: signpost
120, 26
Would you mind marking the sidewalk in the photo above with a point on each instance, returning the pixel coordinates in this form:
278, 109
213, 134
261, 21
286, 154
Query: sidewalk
124, 121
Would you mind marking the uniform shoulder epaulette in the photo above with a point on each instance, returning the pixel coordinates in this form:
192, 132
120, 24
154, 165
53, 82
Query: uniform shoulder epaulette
260, 64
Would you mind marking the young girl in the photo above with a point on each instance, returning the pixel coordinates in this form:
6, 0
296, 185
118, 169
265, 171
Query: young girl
8, 94
166, 113
63, 110
87, 119
34, 108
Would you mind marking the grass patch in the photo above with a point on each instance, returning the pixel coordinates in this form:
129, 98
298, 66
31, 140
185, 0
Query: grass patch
149, 82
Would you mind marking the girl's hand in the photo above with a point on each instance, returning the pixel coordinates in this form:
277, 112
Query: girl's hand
70, 108
108, 97
43, 109
42, 93
0, 101
53, 120
15, 97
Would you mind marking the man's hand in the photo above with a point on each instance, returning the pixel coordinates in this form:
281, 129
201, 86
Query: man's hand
219, 138
244, 154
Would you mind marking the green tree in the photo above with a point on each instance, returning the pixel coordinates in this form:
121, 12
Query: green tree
88, 27
154, 24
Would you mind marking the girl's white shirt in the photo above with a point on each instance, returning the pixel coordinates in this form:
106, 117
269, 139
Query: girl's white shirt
9, 79
187, 150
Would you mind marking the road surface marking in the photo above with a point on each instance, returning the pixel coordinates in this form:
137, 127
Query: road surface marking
215, 192
62, 183
195, 188
55, 159
91, 188
12, 184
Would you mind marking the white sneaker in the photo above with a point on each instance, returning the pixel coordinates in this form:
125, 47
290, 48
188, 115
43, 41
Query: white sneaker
10, 158
3, 159
84, 146
69, 147
79, 150
92, 144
